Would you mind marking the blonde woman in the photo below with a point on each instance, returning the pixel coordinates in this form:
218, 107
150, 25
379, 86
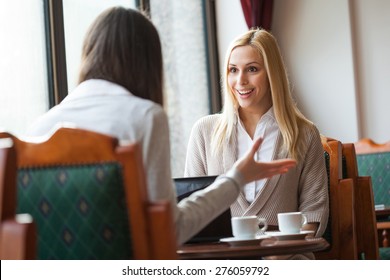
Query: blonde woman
258, 103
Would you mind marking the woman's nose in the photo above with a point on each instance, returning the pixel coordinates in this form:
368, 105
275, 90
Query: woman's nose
242, 79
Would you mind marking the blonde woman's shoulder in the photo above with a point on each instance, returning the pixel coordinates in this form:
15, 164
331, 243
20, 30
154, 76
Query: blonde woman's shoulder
308, 127
310, 133
207, 123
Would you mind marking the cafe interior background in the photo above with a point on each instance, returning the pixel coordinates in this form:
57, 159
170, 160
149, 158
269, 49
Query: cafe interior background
336, 52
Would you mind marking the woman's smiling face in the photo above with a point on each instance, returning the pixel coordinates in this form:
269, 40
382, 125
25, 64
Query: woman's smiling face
248, 79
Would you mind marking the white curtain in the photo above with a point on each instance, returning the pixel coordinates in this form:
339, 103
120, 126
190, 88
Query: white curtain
181, 27
23, 71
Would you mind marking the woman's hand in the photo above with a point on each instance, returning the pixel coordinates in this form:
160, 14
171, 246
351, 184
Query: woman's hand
252, 170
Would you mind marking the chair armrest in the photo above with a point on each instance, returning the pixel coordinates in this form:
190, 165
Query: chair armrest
347, 231
162, 231
18, 239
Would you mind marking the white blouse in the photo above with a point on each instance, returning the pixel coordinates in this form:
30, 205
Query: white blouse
268, 129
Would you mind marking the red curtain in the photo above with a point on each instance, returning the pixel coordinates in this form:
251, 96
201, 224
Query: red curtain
258, 13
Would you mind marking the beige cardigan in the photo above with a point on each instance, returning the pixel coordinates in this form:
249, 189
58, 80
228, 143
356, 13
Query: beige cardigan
303, 188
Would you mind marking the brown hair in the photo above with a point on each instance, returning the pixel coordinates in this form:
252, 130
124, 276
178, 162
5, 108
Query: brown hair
122, 46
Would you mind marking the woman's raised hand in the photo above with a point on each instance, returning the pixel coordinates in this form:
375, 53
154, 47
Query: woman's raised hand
252, 170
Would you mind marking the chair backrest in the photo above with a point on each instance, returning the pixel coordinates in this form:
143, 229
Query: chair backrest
88, 197
367, 237
17, 237
368, 146
340, 231
373, 160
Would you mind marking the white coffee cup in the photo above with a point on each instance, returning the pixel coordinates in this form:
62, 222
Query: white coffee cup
291, 222
247, 227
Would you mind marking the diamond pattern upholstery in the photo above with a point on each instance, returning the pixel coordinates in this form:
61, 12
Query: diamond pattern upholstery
80, 211
377, 165
88, 197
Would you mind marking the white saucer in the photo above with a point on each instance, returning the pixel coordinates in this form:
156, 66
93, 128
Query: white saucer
289, 236
233, 241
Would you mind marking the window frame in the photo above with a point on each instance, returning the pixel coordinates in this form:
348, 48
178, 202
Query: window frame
56, 55
215, 95
55, 50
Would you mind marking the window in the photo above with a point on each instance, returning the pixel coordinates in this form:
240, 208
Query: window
23, 67
183, 33
78, 15
42, 52
26, 74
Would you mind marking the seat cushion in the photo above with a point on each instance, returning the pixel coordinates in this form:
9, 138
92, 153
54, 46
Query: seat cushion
80, 211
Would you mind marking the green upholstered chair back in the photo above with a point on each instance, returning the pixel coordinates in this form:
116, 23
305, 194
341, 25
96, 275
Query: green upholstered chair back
88, 197
377, 165
373, 159
79, 210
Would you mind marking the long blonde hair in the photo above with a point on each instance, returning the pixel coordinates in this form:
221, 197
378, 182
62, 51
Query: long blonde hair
287, 115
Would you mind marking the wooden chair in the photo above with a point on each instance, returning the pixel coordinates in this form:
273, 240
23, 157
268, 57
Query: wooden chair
373, 160
367, 236
340, 232
368, 146
17, 234
88, 198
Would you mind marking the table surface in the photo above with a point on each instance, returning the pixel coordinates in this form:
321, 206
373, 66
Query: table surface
266, 247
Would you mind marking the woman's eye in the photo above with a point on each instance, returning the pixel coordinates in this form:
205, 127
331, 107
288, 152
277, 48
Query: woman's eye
252, 69
233, 70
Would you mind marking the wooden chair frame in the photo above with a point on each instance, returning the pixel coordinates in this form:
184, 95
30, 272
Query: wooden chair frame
367, 236
343, 245
368, 146
151, 225
17, 238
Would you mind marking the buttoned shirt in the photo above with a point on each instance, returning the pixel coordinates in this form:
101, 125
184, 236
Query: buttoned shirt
268, 129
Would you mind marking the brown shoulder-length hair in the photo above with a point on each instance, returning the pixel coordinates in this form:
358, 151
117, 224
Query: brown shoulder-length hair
122, 46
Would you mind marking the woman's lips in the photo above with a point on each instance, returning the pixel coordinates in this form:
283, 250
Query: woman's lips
244, 92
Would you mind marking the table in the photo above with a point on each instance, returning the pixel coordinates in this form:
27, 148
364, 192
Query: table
382, 212
266, 247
